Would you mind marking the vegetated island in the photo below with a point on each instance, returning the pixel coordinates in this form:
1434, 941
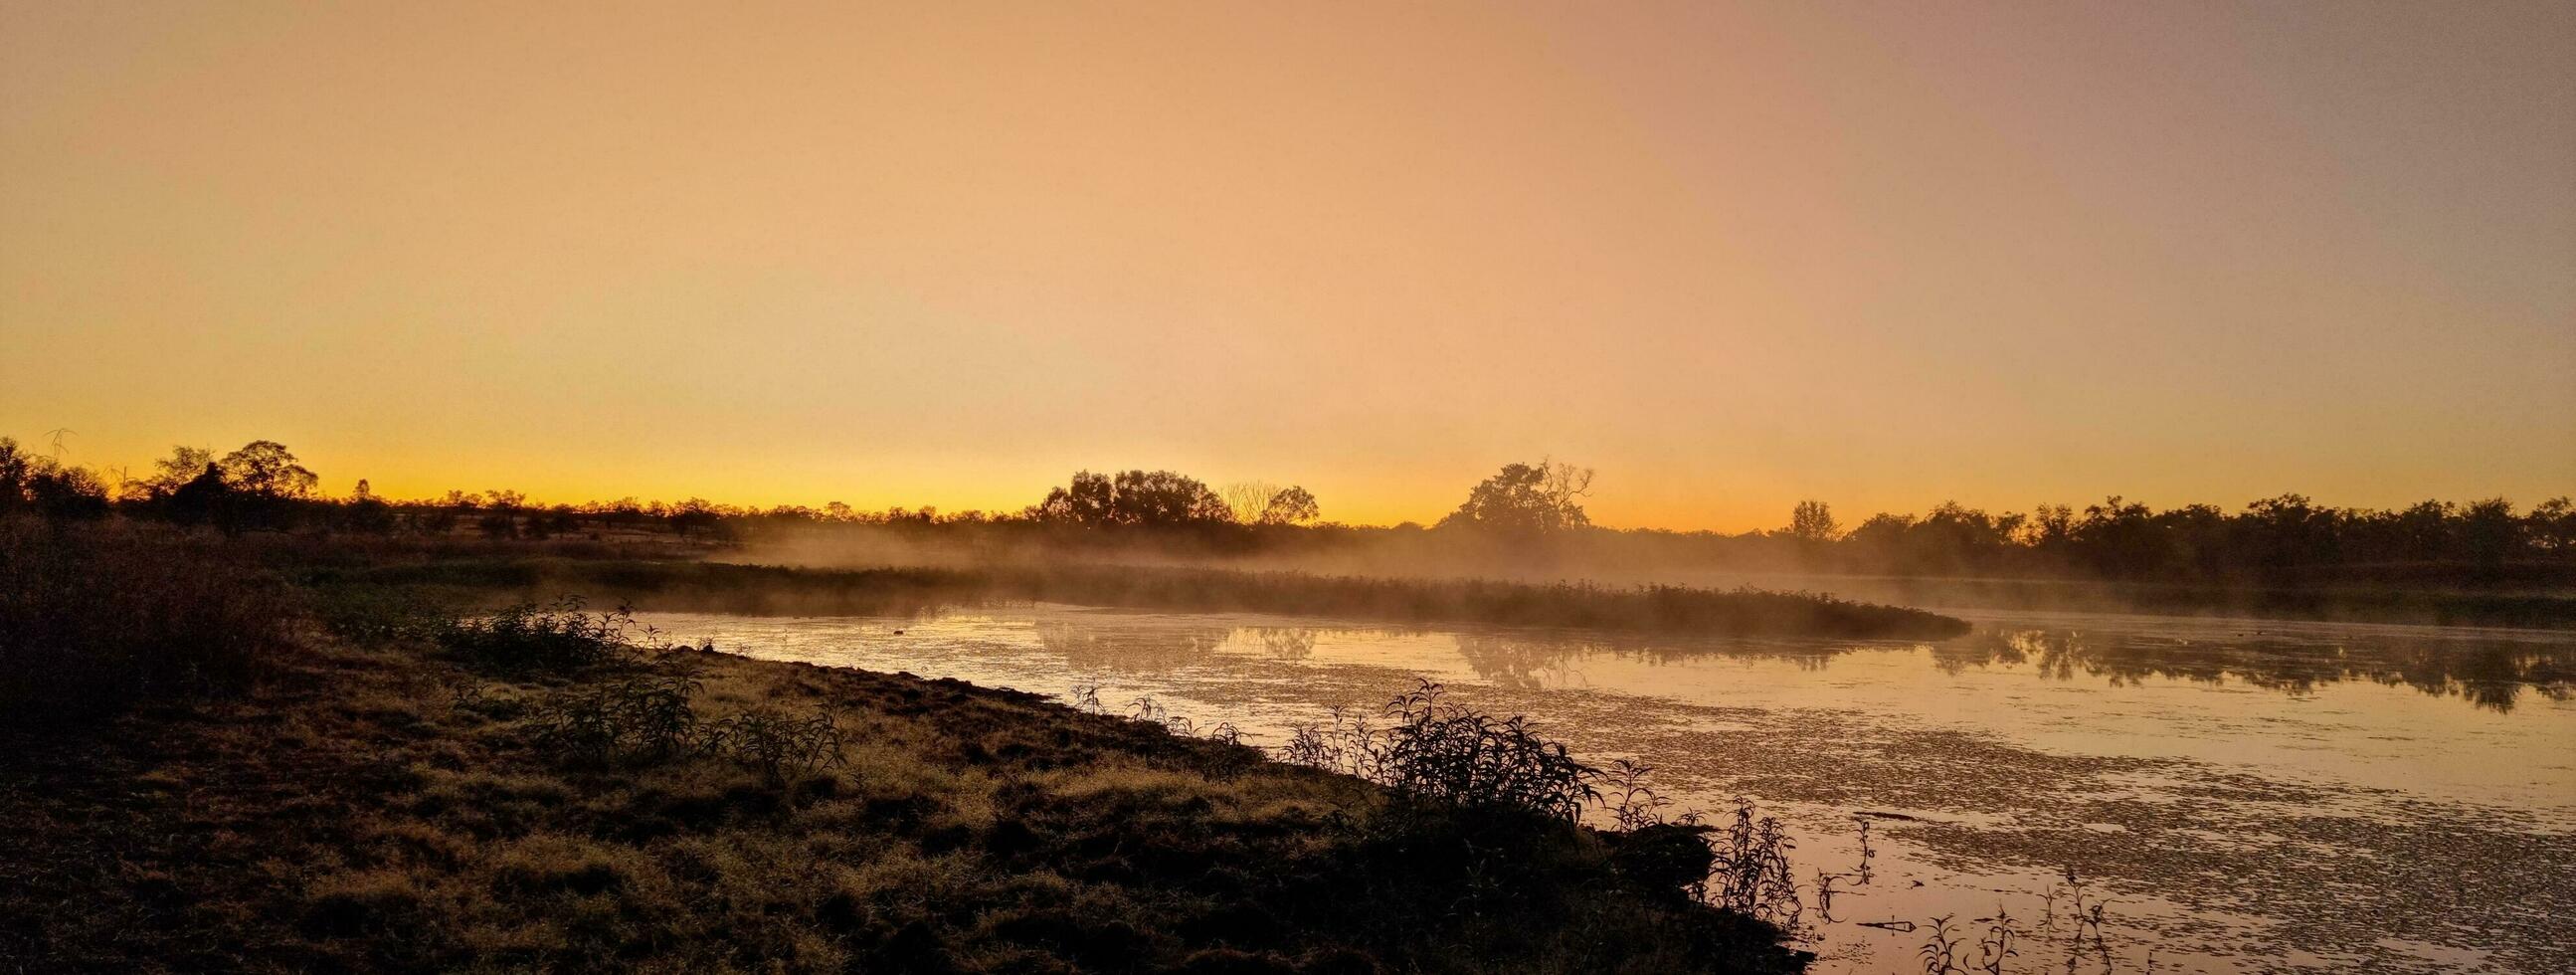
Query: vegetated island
229, 756
712, 586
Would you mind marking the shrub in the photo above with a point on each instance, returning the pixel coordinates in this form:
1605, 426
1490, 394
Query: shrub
1452, 757
645, 716
1451, 754
555, 637
1751, 870
1454, 754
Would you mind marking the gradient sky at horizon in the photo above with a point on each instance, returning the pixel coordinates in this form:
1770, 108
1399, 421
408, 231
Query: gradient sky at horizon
1729, 255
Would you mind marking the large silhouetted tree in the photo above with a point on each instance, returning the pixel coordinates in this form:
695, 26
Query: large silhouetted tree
1526, 499
1291, 506
1134, 498
1263, 503
265, 468
169, 473
202, 499
1813, 521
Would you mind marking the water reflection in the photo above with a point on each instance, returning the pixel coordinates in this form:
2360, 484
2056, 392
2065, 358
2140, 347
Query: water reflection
1289, 643
1531, 661
1088, 645
2489, 672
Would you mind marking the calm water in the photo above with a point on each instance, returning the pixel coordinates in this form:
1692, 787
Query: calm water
2240, 796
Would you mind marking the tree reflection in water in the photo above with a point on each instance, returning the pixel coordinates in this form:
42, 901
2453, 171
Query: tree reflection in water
1087, 645
2487, 672
1289, 643
1535, 660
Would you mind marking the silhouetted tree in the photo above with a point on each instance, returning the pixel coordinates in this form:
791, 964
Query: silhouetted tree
1813, 521
265, 488
1536, 498
267, 469
15, 466
1293, 506
1262, 503
1881, 534
2119, 539
2289, 531
1087, 501
2551, 526
1246, 500
2490, 533
503, 519
68, 492
182, 466
202, 499
43, 485
694, 516
2197, 539
2424, 532
2049, 533
366, 513
1133, 498
561, 520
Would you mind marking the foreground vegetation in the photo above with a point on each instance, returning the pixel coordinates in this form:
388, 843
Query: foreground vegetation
343, 776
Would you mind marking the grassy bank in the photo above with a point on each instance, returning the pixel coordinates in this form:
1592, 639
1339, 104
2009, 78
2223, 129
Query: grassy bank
397, 791
726, 587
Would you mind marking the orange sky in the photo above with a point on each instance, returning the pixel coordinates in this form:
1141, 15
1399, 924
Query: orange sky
1731, 256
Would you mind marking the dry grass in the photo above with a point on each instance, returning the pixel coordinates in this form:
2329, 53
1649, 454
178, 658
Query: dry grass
94, 618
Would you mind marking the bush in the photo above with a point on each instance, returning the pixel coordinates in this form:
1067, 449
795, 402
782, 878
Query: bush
1463, 757
1452, 759
556, 637
96, 617
1750, 869
1451, 755
645, 716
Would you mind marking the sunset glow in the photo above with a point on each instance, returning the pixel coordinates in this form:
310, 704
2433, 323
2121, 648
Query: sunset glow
1731, 256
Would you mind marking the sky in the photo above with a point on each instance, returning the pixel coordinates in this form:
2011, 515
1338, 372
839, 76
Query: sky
1728, 255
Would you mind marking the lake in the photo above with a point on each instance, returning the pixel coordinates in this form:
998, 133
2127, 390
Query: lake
2232, 795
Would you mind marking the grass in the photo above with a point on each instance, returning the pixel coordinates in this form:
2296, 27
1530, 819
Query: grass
545, 789
726, 587
96, 619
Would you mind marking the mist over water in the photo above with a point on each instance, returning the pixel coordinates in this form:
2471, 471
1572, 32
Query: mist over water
2239, 795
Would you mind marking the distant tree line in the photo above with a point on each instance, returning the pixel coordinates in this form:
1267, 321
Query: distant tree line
1523, 507
2121, 539
264, 487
